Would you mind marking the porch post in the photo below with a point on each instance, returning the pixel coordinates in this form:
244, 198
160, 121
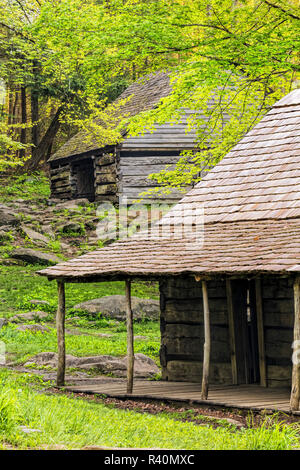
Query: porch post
260, 333
60, 326
231, 326
295, 392
206, 348
130, 347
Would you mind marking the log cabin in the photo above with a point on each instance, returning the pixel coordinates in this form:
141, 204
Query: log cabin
80, 169
229, 283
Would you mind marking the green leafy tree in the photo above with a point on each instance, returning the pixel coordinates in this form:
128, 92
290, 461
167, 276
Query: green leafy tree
228, 60
51, 57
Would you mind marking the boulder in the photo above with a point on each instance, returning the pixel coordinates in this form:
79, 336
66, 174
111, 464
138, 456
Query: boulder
114, 306
71, 227
34, 236
3, 322
29, 316
72, 204
7, 217
144, 366
41, 328
34, 256
5, 236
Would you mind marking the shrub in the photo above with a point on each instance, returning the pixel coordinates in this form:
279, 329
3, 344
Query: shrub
9, 412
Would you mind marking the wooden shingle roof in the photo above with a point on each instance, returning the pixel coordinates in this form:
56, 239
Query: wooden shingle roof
251, 202
144, 95
260, 177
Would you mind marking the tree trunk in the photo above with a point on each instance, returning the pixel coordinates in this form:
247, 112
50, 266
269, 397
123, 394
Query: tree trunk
34, 109
41, 151
23, 120
34, 120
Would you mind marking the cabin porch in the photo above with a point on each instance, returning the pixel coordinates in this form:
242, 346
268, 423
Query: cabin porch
251, 396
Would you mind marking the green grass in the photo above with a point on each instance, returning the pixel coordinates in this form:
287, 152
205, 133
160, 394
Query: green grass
27, 187
19, 285
21, 345
75, 423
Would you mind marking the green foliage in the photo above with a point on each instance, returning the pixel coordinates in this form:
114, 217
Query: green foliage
24, 344
75, 423
9, 413
236, 60
19, 285
228, 60
54, 246
9, 147
27, 187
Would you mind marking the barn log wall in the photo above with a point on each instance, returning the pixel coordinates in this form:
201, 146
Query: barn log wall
61, 187
182, 331
133, 169
106, 178
278, 314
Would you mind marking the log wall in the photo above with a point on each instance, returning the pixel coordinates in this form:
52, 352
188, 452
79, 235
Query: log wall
64, 179
182, 331
106, 178
117, 175
278, 314
60, 184
133, 169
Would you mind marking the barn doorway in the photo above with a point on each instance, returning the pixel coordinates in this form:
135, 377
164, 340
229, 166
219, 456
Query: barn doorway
246, 334
83, 173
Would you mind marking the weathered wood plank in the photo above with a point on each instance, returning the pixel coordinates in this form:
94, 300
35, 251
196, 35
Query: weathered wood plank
60, 326
105, 159
105, 178
295, 392
130, 345
207, 343
244, 397
106, 189
232, 340
260, 333
146, 160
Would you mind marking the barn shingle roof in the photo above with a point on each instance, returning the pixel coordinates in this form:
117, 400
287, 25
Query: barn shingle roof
251, 203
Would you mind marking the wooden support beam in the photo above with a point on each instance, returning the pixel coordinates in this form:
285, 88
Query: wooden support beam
206, 349
231, 327
60, 326
260, 333
295, 391
130, 346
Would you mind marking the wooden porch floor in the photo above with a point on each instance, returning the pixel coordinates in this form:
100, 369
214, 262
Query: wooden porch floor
236, 396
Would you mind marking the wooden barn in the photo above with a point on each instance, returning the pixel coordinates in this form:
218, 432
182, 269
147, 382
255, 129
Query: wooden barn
81, 169
230, 301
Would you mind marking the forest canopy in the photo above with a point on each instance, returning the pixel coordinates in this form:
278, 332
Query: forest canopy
63, 62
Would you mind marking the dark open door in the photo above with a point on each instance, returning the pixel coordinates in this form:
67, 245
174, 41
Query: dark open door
245, 331
84, 178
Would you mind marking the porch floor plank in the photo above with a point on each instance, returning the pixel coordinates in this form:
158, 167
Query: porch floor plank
236, 396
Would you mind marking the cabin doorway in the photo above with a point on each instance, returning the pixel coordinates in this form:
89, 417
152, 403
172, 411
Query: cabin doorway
83, 173
245, 331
